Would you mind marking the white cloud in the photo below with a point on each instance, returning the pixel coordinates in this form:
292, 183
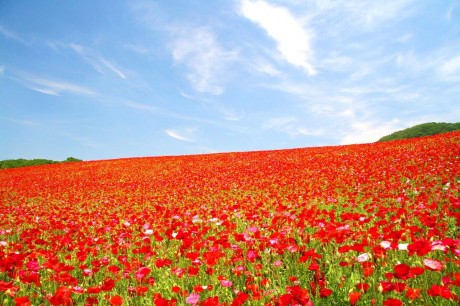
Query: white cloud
278, 123
405, 38
377, 12
290, 126
184, 135
113, 68
310, 132
365, 14
226, 112
99, 63
13, 36
52, 87
139, 49
23, 122
338, 62
229, 114
293, 41
140, 106
46, 91
451, 11
268, 69
206, 62
450, 67
366, 131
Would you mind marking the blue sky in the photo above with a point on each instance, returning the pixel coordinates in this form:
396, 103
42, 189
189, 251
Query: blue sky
109, 79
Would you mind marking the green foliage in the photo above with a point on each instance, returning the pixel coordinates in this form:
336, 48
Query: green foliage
71, 160
17, 163
425, 129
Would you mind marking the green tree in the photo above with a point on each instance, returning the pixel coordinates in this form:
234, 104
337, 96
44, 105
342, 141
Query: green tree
425, 129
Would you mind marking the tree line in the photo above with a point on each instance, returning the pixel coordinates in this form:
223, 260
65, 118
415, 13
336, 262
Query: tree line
21, 162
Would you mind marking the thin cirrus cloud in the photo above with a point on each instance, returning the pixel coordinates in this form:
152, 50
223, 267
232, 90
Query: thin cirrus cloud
22, 122
290, 126
13, 36
185, 135
204, 59
52, 87
140, 106
370, 131
360, 14
381, 11
450, 68
99, 63
292, 39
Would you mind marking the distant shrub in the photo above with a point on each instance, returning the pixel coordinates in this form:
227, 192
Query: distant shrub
425, 129
72, 159
21, 162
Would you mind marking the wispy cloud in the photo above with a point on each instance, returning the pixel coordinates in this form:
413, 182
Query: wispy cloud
13, 36
22, 122
451, 11
139, 49
46, 91
140, 106
290, 126
98, 62
52, 87
229, 114
84, 141
371, 131
377, 12
225, 111
363, 14
292, 39
205, 60
442, 64
183, 135
267, 69
111, 66
450, 67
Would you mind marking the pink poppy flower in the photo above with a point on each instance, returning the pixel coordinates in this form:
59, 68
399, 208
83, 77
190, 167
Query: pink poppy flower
432, 264
192, 299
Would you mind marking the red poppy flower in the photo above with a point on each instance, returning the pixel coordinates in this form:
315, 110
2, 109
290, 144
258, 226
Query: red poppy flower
402, 271
363, 286
116, 300
142, 272
158, 300
441, 291
393, 302
108, 284
240, 298
63, 296
416, 271
91, 301
413, 293
421, 247
211, 301
325, 292
22, 301
354, 297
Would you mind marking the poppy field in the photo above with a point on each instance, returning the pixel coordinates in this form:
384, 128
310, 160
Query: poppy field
368, 224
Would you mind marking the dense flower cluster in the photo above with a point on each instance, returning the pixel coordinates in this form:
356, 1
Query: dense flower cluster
358, 225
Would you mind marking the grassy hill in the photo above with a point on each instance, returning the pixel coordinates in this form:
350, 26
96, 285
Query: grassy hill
425, 129
17, 163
